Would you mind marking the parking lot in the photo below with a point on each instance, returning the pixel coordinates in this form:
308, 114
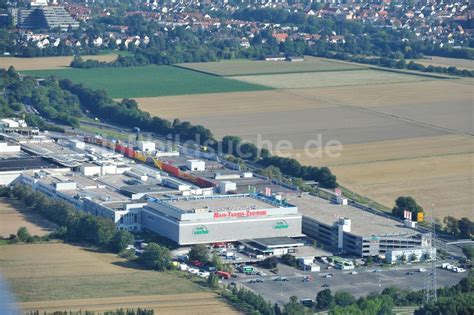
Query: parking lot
366, 280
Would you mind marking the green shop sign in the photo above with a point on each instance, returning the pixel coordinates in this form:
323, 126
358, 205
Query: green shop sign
200, 230
280, 225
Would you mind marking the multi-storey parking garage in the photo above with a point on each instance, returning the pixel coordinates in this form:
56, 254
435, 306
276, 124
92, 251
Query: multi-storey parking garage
352, 230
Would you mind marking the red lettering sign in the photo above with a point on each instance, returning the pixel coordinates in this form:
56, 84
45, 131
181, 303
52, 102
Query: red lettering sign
239, 214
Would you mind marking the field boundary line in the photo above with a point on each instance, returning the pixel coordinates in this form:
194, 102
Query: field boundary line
411, 120
196, 70
393, 116
399, 159
294, 72
346, 85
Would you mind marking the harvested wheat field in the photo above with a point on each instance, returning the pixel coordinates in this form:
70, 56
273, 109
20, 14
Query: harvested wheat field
437, 171
385, 128
44, 63
259, 67
14, 215
328, 79
442, 183
210, 106
190, 303
61, 272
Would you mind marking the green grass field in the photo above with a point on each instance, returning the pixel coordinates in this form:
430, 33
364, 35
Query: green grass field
149, 81
258, 67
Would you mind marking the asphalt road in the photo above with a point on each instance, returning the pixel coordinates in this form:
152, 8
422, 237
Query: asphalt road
361, 284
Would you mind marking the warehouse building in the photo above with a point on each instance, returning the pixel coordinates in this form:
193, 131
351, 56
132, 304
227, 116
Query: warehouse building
88, 195
224, 218
11, 167
353, 231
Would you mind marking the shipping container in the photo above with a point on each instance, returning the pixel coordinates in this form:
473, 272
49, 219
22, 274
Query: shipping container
223, 274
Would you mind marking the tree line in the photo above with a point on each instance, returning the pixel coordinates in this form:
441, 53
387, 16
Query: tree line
462, 228
394, 63
249, 302
292, 167
73, 225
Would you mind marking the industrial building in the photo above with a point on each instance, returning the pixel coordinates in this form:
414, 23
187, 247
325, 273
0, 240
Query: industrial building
17, 126
353, 231
223, 218
13, 162
241, 182
174, 196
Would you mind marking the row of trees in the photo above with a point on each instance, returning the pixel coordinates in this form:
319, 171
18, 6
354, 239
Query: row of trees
250, 302
292, 167
394, 62
127, 113
459, 228
73, 225
24, 236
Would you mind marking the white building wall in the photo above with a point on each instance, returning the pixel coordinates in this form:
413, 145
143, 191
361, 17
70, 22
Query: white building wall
146, 146
6, 148
196, 165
